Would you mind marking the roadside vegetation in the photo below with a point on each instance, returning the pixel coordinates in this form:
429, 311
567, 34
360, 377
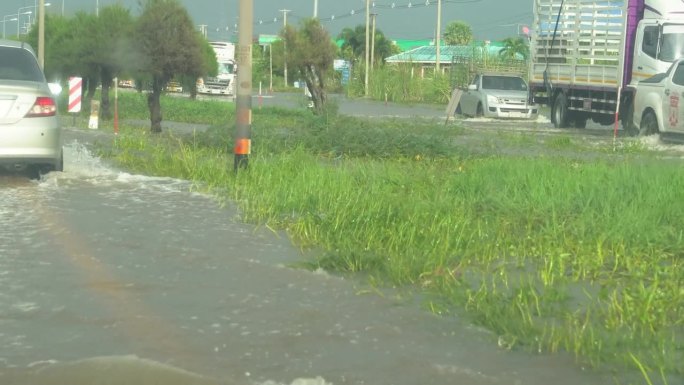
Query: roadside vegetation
562, 247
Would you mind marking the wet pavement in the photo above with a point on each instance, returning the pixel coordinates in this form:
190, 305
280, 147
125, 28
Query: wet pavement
112, 278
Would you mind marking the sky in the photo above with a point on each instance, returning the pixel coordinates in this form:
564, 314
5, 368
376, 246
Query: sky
397, 19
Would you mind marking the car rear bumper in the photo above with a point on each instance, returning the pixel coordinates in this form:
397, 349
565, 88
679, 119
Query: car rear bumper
32, 143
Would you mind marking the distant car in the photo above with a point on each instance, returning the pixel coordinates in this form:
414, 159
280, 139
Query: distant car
30, 132
497, 96
174, 87
126, 83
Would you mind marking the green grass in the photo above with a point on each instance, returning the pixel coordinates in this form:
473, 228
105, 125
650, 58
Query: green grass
133, 105
552, 252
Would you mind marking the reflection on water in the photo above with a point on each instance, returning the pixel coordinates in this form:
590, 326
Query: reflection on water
119, 370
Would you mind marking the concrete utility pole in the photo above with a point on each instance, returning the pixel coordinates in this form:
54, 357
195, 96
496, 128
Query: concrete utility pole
270, 68
372, 55
41, 34
367, 46
243, 100
285, 12
439, 35
315, 9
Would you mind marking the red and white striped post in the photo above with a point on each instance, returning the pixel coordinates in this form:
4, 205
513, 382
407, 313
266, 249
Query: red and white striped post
75, 87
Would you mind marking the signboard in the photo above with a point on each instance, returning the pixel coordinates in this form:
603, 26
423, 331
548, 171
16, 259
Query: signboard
268, 39
343, 67
94, 114
75, 87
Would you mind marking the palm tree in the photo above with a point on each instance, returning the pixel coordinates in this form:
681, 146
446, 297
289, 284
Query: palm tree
458, 33
514, 47
355, 43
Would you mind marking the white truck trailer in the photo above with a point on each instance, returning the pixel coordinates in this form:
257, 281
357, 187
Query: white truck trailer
587, 55
224, 82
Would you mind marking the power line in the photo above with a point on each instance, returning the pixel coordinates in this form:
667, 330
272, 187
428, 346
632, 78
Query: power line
418, 4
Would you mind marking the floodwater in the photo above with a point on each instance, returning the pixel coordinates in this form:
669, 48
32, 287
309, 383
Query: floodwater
113, 278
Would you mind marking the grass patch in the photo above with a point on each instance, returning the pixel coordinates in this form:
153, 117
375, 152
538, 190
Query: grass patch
133, 105
551, 252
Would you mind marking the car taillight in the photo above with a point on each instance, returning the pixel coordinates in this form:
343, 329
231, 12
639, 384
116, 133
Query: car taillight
44, 106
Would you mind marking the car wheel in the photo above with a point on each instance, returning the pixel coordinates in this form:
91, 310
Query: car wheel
34, 172
560, 111
649, 124
59, 164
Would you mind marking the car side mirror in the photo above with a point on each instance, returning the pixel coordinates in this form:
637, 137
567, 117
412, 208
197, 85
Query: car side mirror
472, 87
55, 88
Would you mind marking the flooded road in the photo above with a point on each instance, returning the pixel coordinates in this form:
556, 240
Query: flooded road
113, 278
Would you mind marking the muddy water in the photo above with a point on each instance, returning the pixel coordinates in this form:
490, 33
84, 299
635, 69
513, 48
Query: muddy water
113, 278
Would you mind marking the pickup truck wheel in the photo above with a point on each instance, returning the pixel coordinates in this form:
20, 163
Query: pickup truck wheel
649, 124
627, 119
559, 111
480, 111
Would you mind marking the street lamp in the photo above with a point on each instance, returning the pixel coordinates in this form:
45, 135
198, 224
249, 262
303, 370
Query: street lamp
19, 14
29, 13
34, 7
4, 21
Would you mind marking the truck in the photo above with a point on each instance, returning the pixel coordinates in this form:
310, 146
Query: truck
588, 56
659, 104
224, 82
498, 95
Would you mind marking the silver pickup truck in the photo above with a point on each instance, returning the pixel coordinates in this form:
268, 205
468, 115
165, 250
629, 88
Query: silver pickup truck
659, 102
501, 96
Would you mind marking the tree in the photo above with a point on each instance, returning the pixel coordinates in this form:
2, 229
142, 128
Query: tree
311, 53
355, 43
458, 33
354, 40
113, 36
59, 46
514, 47
69, 49
167, 46
209, 67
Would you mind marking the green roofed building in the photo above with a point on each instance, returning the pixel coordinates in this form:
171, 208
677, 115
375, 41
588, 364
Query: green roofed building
407, 45
460, 61
427, 54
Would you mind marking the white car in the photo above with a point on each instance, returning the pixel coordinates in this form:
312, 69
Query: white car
30, 132
497, 96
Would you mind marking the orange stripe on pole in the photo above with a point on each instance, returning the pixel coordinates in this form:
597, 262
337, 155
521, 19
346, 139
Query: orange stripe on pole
243, 147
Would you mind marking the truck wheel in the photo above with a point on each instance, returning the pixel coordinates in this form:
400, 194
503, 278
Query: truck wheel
480, 111
627, 119
559, 112
649, 124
